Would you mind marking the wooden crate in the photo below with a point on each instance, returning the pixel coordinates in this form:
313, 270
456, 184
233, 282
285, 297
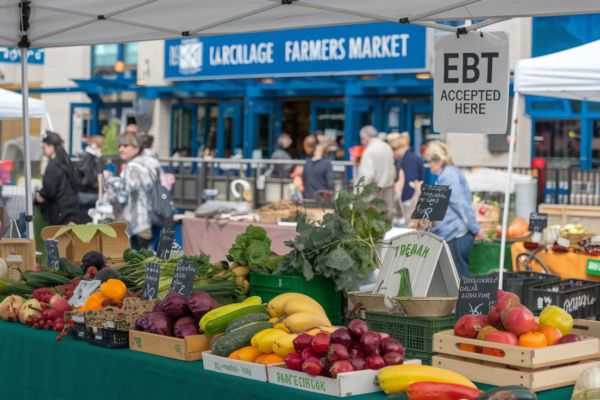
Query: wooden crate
22, 247
189, 348
537, 369
516, 356
228, 366
500, 375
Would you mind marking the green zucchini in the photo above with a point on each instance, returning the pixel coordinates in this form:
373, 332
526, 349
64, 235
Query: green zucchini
405, 289
4, 282
519, 393
68, 269
245, 320
241, 337
40, 279
219, 324
18, 289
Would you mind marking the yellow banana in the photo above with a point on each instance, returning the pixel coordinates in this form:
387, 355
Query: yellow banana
265, 343
295, 306
259, 335
302, 321
282, 326
397, 378
275, 306
314, 331
284, 345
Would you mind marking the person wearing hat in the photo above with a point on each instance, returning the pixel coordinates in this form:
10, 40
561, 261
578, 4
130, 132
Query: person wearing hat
131, 193
57, 199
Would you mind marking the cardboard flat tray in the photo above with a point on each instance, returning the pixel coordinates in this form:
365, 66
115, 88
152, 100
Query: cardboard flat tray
501, 375
516, 356
346, 384
189, 348
242, 369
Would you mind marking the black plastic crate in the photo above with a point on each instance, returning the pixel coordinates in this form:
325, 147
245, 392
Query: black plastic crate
520, 282
111, 339
79, 332
578, 297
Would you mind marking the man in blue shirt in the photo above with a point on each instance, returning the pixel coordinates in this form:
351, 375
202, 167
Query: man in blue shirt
411, 167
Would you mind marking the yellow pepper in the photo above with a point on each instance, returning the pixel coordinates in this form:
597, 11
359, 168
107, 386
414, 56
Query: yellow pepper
94, 302
113, 289
558, 318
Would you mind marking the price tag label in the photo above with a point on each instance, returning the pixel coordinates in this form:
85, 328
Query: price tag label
150, 289
433, 203
538, 222
183, 280
477, 294
83, 291
51, 247
165, 242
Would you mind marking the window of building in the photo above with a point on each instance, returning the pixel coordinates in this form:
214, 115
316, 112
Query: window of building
557, 138
104, 57
554, 34
596, 142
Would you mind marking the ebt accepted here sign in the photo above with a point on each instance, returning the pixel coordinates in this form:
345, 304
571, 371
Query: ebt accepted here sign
471, 82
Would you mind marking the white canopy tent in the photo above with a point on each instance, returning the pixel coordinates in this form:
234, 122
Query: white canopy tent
11, 106
55, 23
570, 74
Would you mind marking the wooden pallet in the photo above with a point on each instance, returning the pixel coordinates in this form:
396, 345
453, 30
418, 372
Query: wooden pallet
500, 375
537, 369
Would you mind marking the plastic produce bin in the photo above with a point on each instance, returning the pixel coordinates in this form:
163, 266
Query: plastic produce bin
415, 334
520, 282
319, 288
578, 297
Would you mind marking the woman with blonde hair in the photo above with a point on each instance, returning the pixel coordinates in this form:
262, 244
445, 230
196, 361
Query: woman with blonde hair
459, 227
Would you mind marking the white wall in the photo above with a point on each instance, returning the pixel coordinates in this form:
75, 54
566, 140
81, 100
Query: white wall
472, 149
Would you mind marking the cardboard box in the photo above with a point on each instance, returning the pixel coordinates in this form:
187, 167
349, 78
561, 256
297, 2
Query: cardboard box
20, 247
346, 384
189, 348
73, 248
242, 369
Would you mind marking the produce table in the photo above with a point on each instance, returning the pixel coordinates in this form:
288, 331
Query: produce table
34, 366
215, 237
567, 265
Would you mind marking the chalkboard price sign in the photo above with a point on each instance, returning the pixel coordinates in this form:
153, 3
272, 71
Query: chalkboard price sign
51, 247
183, 280
477, 294
165, 242
538, 222
433, 202
150, 289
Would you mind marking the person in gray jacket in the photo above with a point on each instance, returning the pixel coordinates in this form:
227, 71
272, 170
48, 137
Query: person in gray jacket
131, 193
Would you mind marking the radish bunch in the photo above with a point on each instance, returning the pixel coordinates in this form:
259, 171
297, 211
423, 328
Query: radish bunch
347, 349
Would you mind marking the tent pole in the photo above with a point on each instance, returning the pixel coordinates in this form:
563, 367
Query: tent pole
511, 152
26, 145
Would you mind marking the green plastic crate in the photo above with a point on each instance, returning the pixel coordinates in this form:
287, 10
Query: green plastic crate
415, 334
319, 288
418, 355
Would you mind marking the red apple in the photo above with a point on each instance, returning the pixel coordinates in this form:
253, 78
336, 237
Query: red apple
518, 319
468, 326
495, 314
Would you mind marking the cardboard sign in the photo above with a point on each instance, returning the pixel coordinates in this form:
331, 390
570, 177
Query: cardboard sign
165, 242
433, 202
477, 294
51, 247
150, 289
538, 222
472, 74
183, 280
82, 292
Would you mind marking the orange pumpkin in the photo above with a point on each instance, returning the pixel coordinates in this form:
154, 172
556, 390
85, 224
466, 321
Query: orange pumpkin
518, 228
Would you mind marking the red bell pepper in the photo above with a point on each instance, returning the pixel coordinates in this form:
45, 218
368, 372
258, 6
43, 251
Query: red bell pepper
441, 391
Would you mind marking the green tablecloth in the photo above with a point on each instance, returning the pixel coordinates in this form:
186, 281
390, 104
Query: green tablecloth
34, 366
485, 257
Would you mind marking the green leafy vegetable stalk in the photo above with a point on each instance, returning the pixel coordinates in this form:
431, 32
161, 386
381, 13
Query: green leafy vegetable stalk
342, 246
252, 248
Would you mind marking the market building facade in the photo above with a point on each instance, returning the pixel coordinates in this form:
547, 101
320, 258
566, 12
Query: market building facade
234, 95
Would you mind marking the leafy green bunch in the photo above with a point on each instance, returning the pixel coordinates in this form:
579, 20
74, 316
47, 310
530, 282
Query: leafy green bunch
342, 246
252, 248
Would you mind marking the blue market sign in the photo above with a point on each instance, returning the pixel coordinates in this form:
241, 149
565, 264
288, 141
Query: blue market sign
342, 50
13, 55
